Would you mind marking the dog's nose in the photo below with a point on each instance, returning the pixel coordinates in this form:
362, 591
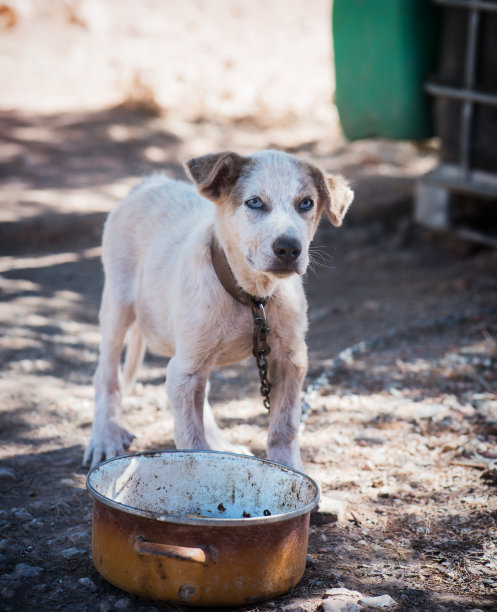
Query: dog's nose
287, 249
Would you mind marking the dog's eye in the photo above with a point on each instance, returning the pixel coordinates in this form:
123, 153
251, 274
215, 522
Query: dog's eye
306, 204
254, 203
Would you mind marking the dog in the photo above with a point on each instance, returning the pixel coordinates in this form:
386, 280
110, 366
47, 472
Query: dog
256, 214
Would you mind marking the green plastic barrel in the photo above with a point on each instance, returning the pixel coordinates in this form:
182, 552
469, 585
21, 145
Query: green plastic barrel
384, 52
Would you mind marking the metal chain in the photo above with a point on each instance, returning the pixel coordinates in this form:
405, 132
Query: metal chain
261, 348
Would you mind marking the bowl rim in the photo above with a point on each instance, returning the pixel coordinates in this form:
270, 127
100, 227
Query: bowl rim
202, 521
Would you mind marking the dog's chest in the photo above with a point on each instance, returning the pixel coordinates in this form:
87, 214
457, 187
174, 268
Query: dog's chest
224, 338
234, 341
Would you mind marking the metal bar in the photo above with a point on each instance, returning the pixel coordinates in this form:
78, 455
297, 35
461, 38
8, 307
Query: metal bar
475, 236
449, 176
469, 82
455, 93
463, 186
477, 5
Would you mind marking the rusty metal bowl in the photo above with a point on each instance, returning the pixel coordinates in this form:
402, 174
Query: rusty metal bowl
200, 527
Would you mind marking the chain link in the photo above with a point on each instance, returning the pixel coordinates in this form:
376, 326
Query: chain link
261, 349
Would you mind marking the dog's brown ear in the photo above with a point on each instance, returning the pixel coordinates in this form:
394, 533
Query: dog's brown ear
335, 194
215, 175
341, 196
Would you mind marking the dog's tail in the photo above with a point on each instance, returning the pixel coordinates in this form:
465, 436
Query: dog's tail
135, 352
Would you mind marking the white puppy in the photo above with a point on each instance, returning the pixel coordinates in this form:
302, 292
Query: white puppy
257, 216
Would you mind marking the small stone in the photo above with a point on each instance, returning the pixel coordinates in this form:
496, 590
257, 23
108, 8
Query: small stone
70, 586
491, 470
22, 570
339, 605
88, 583
341, 600
72, 553
4, 544
381, 602
8, 592
36, 523
7, 473
298, 605
79, 536
310, 561
430, 411
106, 606
344, 594
123, 604
67, 482
332, 508
23, 515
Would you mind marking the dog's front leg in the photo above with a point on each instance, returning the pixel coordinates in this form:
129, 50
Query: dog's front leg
109, 438
287, 371
185, 389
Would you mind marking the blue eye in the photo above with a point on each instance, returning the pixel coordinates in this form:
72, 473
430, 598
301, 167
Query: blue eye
254, 203
306, 204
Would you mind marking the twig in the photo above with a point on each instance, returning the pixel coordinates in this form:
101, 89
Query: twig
469, 464
490, 339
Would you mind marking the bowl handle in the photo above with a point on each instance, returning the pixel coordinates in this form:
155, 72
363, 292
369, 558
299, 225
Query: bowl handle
204, 555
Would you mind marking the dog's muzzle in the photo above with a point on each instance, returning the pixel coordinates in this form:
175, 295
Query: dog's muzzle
286, 251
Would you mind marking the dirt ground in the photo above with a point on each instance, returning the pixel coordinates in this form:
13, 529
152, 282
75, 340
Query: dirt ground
401, 427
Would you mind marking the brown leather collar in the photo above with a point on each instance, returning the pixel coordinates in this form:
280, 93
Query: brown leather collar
228, 280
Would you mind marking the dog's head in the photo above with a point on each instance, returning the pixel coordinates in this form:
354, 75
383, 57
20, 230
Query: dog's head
268, 206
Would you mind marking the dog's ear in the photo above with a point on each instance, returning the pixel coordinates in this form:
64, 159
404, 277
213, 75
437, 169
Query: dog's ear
341, 196
335, 194
216, 174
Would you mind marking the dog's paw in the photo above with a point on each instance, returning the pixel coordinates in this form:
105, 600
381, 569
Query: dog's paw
286, 456
234, 448
218, 442
113, 442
